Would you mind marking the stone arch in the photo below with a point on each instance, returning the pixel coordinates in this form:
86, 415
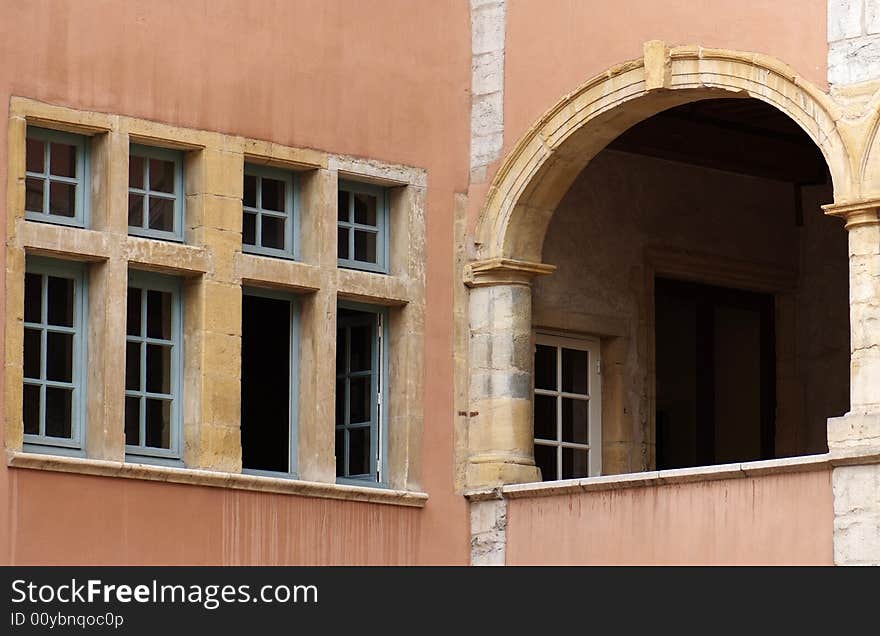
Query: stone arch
542, 166
536, 175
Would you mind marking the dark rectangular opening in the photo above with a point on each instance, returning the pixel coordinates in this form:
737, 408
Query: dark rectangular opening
716, 375
265, 383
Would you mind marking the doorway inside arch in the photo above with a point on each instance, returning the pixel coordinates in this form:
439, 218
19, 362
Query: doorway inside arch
694, 251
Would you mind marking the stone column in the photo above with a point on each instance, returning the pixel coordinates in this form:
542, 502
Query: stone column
500, 430
854, 439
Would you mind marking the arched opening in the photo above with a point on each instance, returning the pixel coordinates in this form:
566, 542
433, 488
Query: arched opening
699, 305
721, 220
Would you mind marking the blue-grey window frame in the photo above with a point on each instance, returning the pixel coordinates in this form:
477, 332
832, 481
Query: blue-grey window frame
293, 402
292, 203
379, 390
383, 219
82, 180
160, 282
78, 273
165, 154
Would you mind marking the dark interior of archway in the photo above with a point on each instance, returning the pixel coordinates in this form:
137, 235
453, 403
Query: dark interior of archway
730, 332
737, 378
745, 136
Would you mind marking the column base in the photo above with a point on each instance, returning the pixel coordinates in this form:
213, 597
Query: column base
498, 473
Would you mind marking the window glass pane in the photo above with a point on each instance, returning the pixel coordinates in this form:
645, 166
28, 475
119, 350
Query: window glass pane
342, 243
62, 160
545, 367
58, 412
340, 452
249, 197
132, 420
62, 199
574, 371
360, 402
60, 301
545, 459
135, 210
365, 246
161, 175
159, 314
361, 348
359, 451
133, 321
343, 211
35, 155
574, 463
32, 353
59, 356
545, 417
249, 229
273, 232
273, 192
365, 209
33, 298
33, 195
158, 424
158, 369
136, 172
31, 413
340, 402
161, 214
133, 366
575, 421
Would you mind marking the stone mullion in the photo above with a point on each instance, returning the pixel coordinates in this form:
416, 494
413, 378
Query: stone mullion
317, 325
108, 282
212, 312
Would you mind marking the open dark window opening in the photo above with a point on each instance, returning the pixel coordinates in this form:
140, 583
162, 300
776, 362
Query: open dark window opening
266, 384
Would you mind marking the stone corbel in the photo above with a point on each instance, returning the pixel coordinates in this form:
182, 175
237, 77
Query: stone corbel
504, 271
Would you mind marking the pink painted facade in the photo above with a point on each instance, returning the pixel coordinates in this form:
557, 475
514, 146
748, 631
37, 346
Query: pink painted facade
388, 80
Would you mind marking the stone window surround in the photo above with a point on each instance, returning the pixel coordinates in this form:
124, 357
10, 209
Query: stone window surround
214, 270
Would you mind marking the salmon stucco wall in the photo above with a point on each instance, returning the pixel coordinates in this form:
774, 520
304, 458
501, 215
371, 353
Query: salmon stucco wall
554, 46
385, 80
768, 519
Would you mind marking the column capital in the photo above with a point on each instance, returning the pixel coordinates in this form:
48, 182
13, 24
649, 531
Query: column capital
856, 213
503, 271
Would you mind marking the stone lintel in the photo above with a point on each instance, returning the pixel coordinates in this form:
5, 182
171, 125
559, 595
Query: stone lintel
504, 271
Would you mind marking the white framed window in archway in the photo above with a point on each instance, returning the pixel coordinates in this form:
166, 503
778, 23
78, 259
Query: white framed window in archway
567, 403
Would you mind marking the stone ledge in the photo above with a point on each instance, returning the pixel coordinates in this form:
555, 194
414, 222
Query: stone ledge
655, 478
166, 256
280, 273
372, 287
216, 479
63, 241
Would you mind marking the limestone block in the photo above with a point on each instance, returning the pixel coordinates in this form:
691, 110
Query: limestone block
487, 72
488, 532
845, 19
502, 427
872, 17
487, 26
856, 489
855, 60
853, 430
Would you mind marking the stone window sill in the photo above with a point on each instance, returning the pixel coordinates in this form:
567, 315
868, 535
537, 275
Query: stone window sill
216, 479
655, 478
